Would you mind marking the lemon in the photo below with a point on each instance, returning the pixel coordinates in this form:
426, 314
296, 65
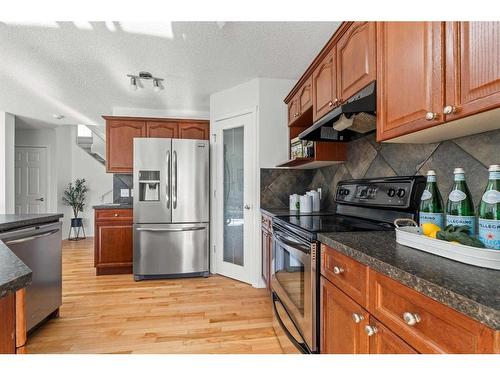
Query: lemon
433, 234
455, 242
429, 228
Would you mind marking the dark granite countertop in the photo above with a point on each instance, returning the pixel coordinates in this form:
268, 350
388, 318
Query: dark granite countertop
286, 212
14, 274
110, 206
474, 291
14, 221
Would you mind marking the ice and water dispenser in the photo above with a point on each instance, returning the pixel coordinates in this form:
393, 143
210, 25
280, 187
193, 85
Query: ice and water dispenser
149, 186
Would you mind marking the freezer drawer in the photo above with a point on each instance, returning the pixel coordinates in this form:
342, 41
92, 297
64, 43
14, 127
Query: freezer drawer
170, 250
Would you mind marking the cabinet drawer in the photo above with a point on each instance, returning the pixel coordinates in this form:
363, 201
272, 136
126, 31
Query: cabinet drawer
346, 273
120, 214
425, 324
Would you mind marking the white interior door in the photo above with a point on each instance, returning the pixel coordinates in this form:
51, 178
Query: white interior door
31, 180
235, 181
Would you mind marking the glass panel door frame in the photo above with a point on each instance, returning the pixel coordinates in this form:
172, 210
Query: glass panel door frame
246, 272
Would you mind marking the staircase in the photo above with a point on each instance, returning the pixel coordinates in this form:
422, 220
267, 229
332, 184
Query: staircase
92, 140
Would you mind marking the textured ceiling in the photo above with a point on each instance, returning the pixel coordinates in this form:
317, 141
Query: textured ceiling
79, 69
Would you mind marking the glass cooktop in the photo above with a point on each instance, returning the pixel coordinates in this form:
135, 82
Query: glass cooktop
333, 223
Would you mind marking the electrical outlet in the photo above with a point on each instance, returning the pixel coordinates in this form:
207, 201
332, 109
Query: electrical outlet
124, 193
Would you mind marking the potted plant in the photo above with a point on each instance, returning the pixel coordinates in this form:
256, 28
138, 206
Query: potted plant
74, 196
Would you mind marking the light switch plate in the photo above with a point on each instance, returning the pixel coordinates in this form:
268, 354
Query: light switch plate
124, 193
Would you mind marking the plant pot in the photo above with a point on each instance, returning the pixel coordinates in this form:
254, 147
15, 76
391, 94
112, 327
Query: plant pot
76, 222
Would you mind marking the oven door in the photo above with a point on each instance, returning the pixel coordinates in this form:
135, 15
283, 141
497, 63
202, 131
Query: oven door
293, 282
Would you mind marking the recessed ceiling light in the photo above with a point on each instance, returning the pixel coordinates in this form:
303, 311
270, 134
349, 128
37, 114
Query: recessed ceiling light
58, 117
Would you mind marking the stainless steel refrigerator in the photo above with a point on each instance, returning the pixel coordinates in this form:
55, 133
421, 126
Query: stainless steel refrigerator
171, 208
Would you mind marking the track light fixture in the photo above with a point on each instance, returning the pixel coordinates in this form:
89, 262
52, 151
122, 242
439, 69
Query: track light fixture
135, 81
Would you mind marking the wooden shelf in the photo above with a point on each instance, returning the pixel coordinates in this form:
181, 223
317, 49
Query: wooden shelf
307, 163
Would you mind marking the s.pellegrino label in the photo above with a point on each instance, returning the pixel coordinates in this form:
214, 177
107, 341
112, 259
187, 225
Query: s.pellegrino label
459, 207
489, 211
431, 203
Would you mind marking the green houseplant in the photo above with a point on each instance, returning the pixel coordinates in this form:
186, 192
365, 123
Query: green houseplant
74, 196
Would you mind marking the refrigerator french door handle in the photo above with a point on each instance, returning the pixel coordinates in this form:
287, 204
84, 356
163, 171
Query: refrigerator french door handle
168, 180
174, 182
188, 229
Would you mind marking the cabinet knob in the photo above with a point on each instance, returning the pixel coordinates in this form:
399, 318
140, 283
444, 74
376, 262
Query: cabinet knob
330, 103
370, 330
449, 109
357, 317
116, 215
338, 270
411, 318
429, 116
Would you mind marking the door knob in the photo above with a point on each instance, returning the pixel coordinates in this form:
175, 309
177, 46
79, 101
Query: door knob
449, 109
429, 116
246, 206
40, 199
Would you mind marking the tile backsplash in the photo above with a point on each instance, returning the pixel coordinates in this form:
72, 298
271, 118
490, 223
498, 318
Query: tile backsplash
368, 158
122, 181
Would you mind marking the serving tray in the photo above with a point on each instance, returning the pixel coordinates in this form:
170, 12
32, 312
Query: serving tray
411, 235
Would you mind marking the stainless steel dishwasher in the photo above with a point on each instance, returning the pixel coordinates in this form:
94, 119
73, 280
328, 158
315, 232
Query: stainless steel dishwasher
39, 247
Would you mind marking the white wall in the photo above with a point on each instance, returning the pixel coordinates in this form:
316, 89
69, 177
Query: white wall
7, 140
265, 97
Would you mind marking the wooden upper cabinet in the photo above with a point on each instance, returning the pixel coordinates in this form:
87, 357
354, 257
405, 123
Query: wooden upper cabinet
342, 322
304, 96
119, 143
472, 68
384, 341
293, 110
194, 130
356, 59
162, 129
324, 86
410, 82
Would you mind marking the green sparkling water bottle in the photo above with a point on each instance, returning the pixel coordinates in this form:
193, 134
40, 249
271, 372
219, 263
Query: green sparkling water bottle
460, 208
431, 203
489, 211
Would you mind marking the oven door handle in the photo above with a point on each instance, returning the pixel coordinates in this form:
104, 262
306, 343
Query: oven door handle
292, 244
301, 346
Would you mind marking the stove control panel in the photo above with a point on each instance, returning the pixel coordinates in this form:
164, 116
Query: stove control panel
396, 192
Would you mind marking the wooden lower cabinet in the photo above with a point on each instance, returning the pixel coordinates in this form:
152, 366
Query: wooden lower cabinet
113, 243
13, 323
8, 324
340, 332
384, 341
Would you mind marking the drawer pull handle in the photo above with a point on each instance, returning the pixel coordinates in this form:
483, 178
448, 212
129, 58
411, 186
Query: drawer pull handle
411, 318
370, 330
338, 270
116, 215
357, 318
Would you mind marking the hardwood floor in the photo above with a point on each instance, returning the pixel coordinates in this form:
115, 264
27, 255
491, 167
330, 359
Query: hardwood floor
115, 314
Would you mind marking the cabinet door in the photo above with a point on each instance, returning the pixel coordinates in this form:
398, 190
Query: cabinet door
120, 145
266, 257
410, 90
195, 130
356, 62
324, 86
342, 332
7, 324
383, 341
162, 129
472, 68
293, 110
304, 96
113, 247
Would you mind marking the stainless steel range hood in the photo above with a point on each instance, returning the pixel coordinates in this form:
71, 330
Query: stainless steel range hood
358, 112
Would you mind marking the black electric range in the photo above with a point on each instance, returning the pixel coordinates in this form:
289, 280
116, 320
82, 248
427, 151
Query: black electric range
362, 205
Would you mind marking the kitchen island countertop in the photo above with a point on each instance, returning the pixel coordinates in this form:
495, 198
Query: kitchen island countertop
473, 291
